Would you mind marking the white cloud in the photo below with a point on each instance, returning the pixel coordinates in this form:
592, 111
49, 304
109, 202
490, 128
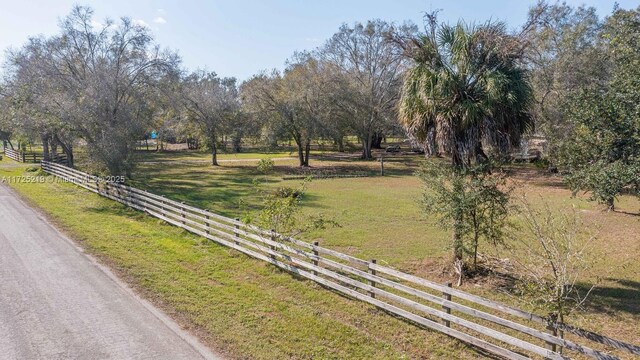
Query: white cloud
160, 11
140, 22
159, 20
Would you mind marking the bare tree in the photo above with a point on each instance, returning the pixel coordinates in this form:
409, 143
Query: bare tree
564, 55
212, 103
553, 254
298, 101
6, 128
97, 82
369, 68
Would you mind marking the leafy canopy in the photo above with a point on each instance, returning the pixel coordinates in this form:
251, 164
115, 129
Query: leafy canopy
602, 152
466, 87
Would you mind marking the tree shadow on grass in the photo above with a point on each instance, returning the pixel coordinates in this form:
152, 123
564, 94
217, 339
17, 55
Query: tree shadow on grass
627, 213
611, 298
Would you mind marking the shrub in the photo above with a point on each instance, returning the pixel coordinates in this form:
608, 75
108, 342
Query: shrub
473, 202
556, 253
266, 165
287, 192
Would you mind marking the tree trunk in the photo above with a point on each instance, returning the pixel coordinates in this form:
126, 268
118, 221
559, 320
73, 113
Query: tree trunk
376, 142
340, 142
475, 243
45, 147
67, 148
458, 227
53, 148
160, 143
300, 154
214, 152
366, 146
307, 149
611, 204
70, 160
237, 143
297, 138
457, 237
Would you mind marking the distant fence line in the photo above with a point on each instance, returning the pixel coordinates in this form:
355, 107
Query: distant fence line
32, 157
499, 329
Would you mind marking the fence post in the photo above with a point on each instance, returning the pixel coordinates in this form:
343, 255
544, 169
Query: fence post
315, 252
236, 234
182, 213
34, 158
371, 282
23, 157
446, 309
206, 223
552, 331
382, 165
273, 238
144, 202
127, 194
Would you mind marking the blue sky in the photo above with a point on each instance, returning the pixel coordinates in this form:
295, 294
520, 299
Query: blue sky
241, 37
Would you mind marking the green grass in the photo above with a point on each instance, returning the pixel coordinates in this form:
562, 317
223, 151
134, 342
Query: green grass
202, 156
250, 309
381, 218
240, 306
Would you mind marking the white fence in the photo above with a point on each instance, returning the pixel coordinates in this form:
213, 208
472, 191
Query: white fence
494, 327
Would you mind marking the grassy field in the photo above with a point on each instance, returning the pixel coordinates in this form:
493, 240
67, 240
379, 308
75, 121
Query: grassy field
249, 309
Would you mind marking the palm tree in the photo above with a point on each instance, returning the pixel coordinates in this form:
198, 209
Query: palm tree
466, 90
465, 93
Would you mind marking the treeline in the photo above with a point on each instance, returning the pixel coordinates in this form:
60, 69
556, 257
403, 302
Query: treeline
110, 85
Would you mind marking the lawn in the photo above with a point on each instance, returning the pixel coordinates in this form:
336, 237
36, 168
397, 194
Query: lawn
241, 307
249, 309
381, 219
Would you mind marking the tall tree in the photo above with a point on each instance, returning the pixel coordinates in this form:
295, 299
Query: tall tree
30, 98
212, 103
601, 153
465, 92
5, 119
564, 55
298, 101
97, 80
370, 69
466, 89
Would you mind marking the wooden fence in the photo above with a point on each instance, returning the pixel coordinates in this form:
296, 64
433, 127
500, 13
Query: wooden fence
32, 157
497, 328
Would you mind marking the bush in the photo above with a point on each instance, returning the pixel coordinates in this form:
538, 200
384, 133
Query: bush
473, 202
287, 192
266, 165
282, 212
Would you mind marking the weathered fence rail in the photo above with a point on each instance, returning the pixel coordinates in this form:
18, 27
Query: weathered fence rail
500, 329
21, 156
33, 157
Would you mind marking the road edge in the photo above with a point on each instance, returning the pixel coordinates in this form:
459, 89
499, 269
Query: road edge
189, 338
